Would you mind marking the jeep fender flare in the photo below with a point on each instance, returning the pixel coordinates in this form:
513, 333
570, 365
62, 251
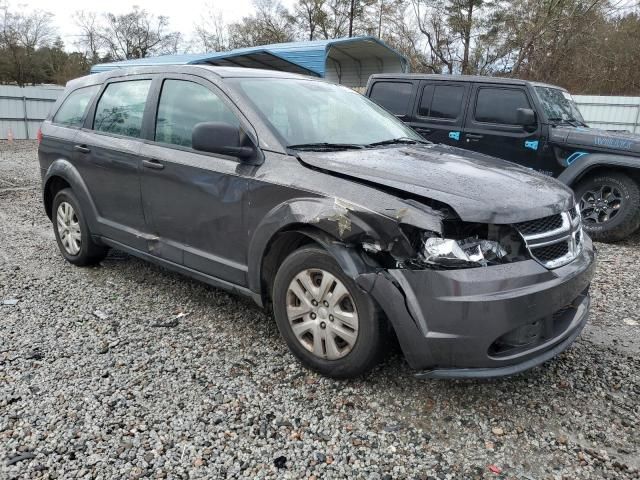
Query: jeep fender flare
63, 169
582, 166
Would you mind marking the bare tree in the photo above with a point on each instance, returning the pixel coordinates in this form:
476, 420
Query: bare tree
271, 23
211, 32
136, 34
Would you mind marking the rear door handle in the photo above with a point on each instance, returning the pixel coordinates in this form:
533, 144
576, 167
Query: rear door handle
82, 149
155, 164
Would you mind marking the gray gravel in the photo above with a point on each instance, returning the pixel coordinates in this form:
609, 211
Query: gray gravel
126, 371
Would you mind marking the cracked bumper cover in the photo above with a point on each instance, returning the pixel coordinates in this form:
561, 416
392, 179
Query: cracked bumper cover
455, 323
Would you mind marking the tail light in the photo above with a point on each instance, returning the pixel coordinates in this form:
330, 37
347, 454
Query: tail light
39, 135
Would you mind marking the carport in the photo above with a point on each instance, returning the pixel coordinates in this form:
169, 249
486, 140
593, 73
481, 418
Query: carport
348, 61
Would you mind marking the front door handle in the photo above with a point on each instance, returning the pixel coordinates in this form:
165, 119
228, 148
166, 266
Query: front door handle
155, 164
424, 131
82, 148
473, 137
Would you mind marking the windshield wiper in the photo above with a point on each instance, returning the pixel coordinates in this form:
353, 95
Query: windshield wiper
397, 141
569, 121
319, 146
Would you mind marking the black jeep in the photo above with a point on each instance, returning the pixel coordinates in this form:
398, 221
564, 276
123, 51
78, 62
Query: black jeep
533, 124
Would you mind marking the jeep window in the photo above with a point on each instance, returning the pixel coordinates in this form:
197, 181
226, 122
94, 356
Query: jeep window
71, 112
500, 105
315, 112
441, 101
394, 96
558, 105
121, 107
184, 104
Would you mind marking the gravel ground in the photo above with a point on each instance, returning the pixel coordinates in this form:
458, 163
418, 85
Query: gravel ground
126, 370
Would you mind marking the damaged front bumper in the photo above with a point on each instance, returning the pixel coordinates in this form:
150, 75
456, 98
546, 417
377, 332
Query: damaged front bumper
485, 321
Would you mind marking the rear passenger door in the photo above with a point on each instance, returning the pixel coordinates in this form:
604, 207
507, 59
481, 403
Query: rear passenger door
439, 111
193, 201
492, 128
107, 157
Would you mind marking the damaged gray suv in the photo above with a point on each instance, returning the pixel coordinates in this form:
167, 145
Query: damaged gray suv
310, 199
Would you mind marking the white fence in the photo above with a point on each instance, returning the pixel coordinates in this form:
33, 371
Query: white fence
610, 113
22, 109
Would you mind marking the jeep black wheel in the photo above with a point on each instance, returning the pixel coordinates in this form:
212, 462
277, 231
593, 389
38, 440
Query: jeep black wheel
328, 322
610, 206
72, 232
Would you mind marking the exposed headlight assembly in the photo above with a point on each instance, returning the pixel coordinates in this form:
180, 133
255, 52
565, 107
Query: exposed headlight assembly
467, 253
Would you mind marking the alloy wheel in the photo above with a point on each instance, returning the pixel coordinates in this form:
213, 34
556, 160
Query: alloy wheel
68, 228
600, 205
322, 314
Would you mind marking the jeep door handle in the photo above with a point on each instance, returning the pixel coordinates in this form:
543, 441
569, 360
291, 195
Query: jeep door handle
82, 148
154, 164
473, 137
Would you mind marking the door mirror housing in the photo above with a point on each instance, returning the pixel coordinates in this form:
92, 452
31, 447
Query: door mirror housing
526, 117
223, 138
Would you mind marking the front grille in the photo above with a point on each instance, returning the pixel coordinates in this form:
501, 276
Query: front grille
551, 252
540, 225
555, 240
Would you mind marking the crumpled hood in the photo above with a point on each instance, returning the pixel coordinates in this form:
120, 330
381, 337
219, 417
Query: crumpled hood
595, 139
478, 187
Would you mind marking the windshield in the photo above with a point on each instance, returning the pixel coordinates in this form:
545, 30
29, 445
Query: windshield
314, 113
559, 106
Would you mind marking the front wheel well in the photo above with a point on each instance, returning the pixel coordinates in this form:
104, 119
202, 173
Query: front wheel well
280, 246
633, 173
53, 186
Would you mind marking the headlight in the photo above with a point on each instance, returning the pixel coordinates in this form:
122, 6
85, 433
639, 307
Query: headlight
470, 252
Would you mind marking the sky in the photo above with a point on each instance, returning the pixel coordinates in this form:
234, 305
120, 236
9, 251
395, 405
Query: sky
182, 14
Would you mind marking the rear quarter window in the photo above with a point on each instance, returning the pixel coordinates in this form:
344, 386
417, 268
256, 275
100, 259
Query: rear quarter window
72, 111
393, 96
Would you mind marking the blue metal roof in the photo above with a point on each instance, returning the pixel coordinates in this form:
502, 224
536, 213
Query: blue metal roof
308, 56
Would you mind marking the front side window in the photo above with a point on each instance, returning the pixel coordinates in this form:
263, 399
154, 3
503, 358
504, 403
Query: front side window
500, 105
394, 96
71, 112
310, 111
184, 104
121, 108
442, 101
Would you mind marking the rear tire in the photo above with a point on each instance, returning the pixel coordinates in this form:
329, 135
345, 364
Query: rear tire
610, 206
72, 232
340, 333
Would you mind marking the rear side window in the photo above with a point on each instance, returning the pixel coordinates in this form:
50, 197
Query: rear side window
441, 101
500, 105
184, 104
121, 107
71, 112
394, 96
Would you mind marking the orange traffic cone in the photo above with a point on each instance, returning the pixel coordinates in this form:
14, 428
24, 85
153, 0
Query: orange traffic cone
10, 136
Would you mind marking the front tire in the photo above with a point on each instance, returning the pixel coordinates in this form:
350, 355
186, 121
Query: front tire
72, 232
610, 206
328, 322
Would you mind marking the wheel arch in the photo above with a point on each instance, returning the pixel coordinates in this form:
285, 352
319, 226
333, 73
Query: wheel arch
62, 174
593, 163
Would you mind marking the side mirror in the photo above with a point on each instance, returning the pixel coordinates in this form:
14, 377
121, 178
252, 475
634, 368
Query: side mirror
222, 138
526, 117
